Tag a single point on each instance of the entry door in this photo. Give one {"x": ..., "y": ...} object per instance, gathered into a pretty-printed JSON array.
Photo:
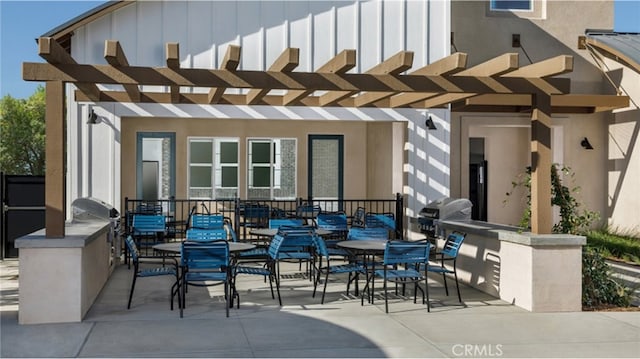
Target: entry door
[
  {"x": 155, "y": 165},
  {"x": 326, "y": 160}
]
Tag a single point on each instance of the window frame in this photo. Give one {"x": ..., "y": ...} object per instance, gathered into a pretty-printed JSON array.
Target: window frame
[
  {"x": 274, "y": 165},
  {"x": 215, "y": 165}
]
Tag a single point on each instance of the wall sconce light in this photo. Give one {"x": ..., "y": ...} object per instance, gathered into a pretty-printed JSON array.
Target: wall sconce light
[
  {"x": 585, "y": 144},
  {"x": 93, "y": 118},
  {"x": 429, "y": 123}
]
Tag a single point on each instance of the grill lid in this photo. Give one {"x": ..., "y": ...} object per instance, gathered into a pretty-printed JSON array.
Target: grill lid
[{"x": 91, "y": 209}]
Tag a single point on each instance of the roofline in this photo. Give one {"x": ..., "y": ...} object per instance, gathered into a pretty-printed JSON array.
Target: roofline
[
  {"x": 68, "y": 27},
  {"x": 610, "y": 51}
]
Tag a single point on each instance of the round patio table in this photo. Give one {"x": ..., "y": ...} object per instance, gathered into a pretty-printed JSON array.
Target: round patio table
[
  {"x": 176, "y": 247},
  {"x": 368, "y": 248},
  {"x": 270, "y": 232}
]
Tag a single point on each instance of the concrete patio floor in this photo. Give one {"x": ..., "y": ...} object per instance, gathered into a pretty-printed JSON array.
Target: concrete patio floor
[{"x": 482, "y": 327}]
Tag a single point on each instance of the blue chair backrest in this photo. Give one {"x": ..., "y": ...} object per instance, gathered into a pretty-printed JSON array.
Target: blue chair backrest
[
  {"x": 207, "y": 221},
  {"x": 294, "y": 239},
  {"x": 402, "y": 252},
  {"x": 332, "y": 221},
  {"x": 358, "y": 217},
  {"x": 356, "y": 233},
  {"x": 205, "y": 255},
  {"x": 206, "y": 235},
  {"x": 380, "y": 220},
  {"x": 132, "y": 248},
  {"x": 321, "y": 246},
  {"x": 230, "y": 232},
  {"x": 148, "y": 223},
  {"x": 149, "y": 208},
  {"x": 452, "y": 244},
  {"x": 275, "y": 223}
]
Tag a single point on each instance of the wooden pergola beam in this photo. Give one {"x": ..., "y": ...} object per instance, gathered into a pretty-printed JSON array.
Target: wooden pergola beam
[
  {"x": 116, "y": 57},
  {"x": 394, "y": 65},
  {"x": 286, "y": 62},
  {"x": 50, "y": 50},
  {"x": 445, "y": 66},
  {"x": 597, "y": 102},
  {"x": 550, "y": 67},
  {"x": 339, "y": 64},
  {"x": 230, "y": 62},
  {"x": 172, "y": 56}
]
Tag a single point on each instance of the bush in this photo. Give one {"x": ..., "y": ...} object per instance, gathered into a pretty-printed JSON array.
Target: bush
[{"x": 598, "y": 287}]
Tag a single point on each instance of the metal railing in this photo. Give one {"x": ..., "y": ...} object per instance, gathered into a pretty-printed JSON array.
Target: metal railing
[{"x": 179, "y": 211}]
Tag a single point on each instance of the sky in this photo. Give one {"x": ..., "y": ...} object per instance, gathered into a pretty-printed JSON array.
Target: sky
[{"x": 21, "y": 22}]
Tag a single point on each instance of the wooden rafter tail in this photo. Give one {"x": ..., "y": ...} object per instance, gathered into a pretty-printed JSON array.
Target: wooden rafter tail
[
  {"x": 230, "y": 62},
  {"x": 446, "y": 66},
  {"x": 115, "y": 56},
  {"x": 172, "y": 50},
  {"x": 368, "y": 98},
  {"x": 394, "y": 65},
  {"x": 50, "y": 50},
  {"x": 550, "y": 67},
  {"x": 339, "y": 64},
  {"x": 286, "y": 62}
]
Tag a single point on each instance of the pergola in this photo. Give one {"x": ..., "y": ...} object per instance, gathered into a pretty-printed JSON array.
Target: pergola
[{"x": 497, "y": 85}]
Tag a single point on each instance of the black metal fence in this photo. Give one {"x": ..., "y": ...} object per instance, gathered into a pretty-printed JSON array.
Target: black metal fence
[{"x": 179, "y": 211}]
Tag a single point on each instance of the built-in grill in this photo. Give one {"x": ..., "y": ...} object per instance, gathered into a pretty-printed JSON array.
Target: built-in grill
[
  {"x": 443, "y": 209},
  {"x": 89, "y": 209}
]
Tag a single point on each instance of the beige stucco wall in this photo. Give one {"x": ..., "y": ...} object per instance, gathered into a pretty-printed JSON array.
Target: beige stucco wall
[
  {"x": 623, "y": 140},
  {"x": 369, "y": 162},
  {"x": 554, "y": 32}
]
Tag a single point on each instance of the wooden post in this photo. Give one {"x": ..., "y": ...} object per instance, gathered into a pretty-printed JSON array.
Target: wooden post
[
  {"x": 541, "y": 215},
  {"x": 54, "y": 151}
]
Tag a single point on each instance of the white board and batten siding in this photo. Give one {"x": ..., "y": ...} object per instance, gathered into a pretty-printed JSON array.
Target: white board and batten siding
[{"x": 204, "y": 30}]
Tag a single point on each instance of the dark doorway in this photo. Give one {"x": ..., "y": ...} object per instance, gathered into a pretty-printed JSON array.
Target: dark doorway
[
  {"x": 23, "y": 209},
  {"x": 478, "y": 179}
]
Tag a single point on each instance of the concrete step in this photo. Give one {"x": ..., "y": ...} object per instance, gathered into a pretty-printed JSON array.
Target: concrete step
[{"x": 629, "y": 276}]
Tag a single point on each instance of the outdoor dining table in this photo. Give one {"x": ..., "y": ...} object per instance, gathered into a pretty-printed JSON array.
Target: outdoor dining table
[
  {"x": 176, "y": 247},
  {"x": 270, "y": 232},
  {"x": 369, "y": 248}
]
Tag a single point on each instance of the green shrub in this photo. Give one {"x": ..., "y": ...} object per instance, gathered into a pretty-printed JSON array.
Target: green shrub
[{"x": 598, "y": 287}]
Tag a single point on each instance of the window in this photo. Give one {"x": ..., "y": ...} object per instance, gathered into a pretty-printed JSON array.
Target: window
[
  {"x": 271, "y": 169},
  {"x": 508, "y": 5},
  {"x": 213, "y": 168}
]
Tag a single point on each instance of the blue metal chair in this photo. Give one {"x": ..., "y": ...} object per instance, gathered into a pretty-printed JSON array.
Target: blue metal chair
[
  {"x": 381, "y": 220},
  {"x": 356, "y": 233},
  {"x": 160, "y": 267},
  {"x": 148, "y": 229},
  {"x": 357, "y": 219},
  {"x": 322, "y": 252},
  {"x": 276, "y": 223},
  {"x": 254, "y": 216},
  {"x": 207, "y": 221},
  {"x": 337, "y": 224},
  {"x": 290, "y": 243},
  {"x": 449, "y": 252},
  {"x": 308, "y": 212},
  {"x": 206, "y": 235},
  {"x": 401, "y": 265},
  {"x": 205, "y": 264}
]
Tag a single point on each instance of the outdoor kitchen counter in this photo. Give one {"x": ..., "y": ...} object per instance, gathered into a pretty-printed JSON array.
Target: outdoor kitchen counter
[
  {"x": 60, "y": 278},
  {"x": 537, "y": 272}
]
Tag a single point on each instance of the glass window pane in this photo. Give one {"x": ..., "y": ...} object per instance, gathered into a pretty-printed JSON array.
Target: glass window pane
[
  {"x": 260, "y": 152},
  {"x": 511, "y": 5},
  {"x": 200, "y": 176},
  {"x": 228, "y": 152},
  {"x": 201, "y": 152},
  {"x": 261, "y": 177},
  {"x": 229, "y": 176}
]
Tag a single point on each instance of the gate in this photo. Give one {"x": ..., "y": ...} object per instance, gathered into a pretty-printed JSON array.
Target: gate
[{"x": 22, "y": 201}]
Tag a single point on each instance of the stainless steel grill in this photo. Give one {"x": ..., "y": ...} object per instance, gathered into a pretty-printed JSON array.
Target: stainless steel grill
[
  {"x": 443, "y": 209},
  {"x": 89, "y": 209}
]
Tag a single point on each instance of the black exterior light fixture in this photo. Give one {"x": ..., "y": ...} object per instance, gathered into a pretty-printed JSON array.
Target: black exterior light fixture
[
  {"x": 429, "y": 123},
  {"x": 93, "y": 118},
  {"x": 585, "y": 144}
]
